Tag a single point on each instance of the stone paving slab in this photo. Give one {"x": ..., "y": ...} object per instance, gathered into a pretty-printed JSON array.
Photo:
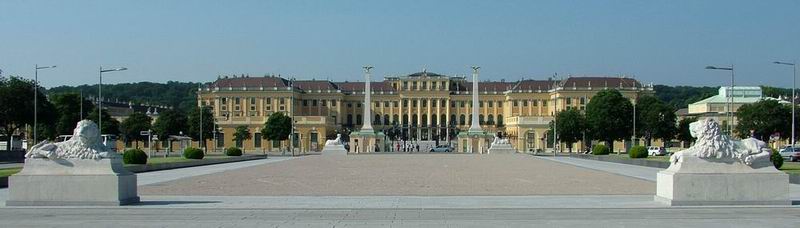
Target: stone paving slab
[{"x": 407, "y": 175}]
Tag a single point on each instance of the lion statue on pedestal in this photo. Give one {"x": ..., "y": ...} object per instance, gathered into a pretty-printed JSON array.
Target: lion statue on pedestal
[
  {"x": 334, "y": 142},
  {"x": 712, "y": 145},
  {"x": 85, "y": 143}
]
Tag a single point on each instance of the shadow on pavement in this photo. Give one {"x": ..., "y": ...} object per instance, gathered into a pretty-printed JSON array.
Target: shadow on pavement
[{"x": 171, "y": 202}]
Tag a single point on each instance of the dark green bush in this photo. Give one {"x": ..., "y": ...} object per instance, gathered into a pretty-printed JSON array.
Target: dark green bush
[
  {"x": 600, "y": 149},
  {"x": 233, "y": 151},
  {"x": 638, "y": 152},
  {"x": 134, "y": 156},
  {"x": 193, "y": 153},
  {"x": 776, "y": 159}
]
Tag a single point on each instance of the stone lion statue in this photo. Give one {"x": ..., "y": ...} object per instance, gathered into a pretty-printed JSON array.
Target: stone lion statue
[
  {"x": 712, "y": 145},
  {"x": 499, "y": 139},
  {"x": 334, "y": 142},
  {"x": 85, "y": 143}
]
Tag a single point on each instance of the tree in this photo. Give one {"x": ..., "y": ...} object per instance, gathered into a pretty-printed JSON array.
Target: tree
[
  {"x": 571, "y": 126},
  {"x": 16, "y": 106},
  {"x": 240, "y": 134},
  {"x": 110, "y": 125},
  {"x": 132, "y": 127},
  {"x": 683, "y": 133},
  {"x": 654, "y": 119},
  {"x": 68, "y": 107},
  {"x": 170, "y": 122},
  {"x": 208, "y": 124},
  {"x": 278, "y": 127},
  {"x": 609, "y": 117},
  {"x": 764, "y": 118}
]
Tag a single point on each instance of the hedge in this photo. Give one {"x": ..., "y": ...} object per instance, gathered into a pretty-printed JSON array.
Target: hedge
[
  {"x": 638, "y": 152},
  {"x": 776, "y": 159},
  {"x": 233, "y": 151},
  {"x": 134, "y": 156},
  {"x": 600, "y": 149},
  {"x": 193, "y": 153}
]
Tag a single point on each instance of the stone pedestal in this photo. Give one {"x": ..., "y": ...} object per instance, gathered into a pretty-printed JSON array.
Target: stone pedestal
[
  {"x": 501, "y": 149},
  {"x": 72, "y": 182},
  {"x": 366, "y": 142},
  {"x": 476, "y": 142},
  {"x": 337, "y": 150},
  {"x": 697, "y": 182}
]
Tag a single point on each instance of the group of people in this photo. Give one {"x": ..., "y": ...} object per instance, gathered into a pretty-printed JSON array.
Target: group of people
[{"x": 406, "y": 147}]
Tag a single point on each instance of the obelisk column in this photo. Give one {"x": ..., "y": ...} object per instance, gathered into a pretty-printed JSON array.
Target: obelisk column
[
  {"x": 475, "y": 125},
  {"x": 367, "y": 126}
]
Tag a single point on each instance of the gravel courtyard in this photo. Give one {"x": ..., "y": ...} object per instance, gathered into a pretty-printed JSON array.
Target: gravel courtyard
[{"x": 406, "y": 175}]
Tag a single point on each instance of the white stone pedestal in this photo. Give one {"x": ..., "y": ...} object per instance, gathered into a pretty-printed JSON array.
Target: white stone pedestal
[
  {"x": 501, "y": 149},
  {"x": 72, "y": 182},
  {"x": 336, "y": 150},
  {"x": 697, "y": 182}
]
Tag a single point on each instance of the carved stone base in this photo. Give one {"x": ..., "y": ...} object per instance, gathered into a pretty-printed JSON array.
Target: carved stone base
[
  {"x": 502, "y": 149},
  {"x": 696, "y": 182},
  {"x": 337, "y": 150},
  {"x": 68, "y": 182}
]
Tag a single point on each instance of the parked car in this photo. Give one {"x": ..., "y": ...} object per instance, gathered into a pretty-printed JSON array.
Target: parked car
[
  {"x": 790, "y": 153},
  {"x": 656, "y": 151},
  {"x": 441, "y": 148}
]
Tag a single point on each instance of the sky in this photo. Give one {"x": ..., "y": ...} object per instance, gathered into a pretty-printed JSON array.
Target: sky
[{"x": 660, "y": 42}]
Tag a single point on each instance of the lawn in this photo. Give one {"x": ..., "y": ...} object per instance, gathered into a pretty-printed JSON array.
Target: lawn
[
  {"x": 9, "y": 171},
  {"x": 791, "y": 167}
]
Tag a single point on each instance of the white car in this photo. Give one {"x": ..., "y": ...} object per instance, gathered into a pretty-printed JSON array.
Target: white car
[
  {"x": 656, "y": 151},
  {"x": 790, "y": 154}
]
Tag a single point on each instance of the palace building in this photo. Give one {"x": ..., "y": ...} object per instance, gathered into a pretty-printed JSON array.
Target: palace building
[{"x": 422, "y": 107}]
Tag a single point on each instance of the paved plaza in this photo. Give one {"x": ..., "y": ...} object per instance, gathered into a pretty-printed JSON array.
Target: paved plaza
[
  {"x": 609, "y": 195},
  {"x": 407, "y": 175}
]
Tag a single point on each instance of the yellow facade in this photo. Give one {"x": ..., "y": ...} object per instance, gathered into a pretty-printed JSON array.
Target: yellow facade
[{"x": 421, "y": 107}]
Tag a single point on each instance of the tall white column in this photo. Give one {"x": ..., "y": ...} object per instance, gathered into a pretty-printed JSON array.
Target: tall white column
[
  {"x": 367, "y": 126},
  {"x": 475, "y": 125}
]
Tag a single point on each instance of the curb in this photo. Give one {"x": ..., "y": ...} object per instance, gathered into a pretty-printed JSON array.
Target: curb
[{"x": 793, "y": 178}]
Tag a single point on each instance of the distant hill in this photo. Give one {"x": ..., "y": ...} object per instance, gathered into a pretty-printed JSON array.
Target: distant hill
[{"x": 181, "y": 95}]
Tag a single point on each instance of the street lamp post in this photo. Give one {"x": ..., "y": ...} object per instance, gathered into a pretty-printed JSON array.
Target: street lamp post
[
  {"x": 794, "y": 96},
  {"x": 730, "y": 96},
  {"x": 36, "y": 99},
  {"x": 100, "y": 97}
]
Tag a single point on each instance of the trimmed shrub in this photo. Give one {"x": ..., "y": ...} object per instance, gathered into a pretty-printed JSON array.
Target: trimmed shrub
[
  {"x": 233, "y": 151},
  {"x": 638, "y": 152},
  {"x": 600, "y": 149},
  {"x": 134, "y": 156},
  {"x": 193, "y": 153},
  {"x": 776, "y": 159}
]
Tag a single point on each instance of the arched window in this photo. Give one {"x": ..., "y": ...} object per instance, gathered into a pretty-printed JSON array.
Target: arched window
[
  {"x": 480, "y": 119},
  {"x": 349, "y": 119},
  {"x": 434, "y": 122},
  {"x": 414, "y": 120},
  {"x": 359, "y": 120},
  {"x": 386, "y": 120},
  {"x": 490, "y": 119},
  {"x": 405, "y": 119},
  {"x": 462, "y": 120},
  {"x": 500, "y": 120},
  {"x": 377, "y": 120},
  {"x": 424, "y": 120},
  {"x": 443, "y": 119},
  {"x": 396, "y": 119},
  {"x": 453, "y": 119}
]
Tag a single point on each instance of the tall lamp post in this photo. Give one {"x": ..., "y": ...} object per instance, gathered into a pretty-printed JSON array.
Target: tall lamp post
[
  {"x": 36, "y": 99},
  {"x": 100, "y": 97},
  {"x": 730, "y": 96},
  {"x": 794, "y": 96}
]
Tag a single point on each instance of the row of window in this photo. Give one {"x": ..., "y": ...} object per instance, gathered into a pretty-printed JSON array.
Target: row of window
[
  {"x": 422, "y": 85},
  {"x": 462, "y": 120}
]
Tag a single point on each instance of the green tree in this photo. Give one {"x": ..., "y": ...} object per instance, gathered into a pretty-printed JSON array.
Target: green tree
[
  {"x": 571, "y": 126},
  {"x": 764, "y": 118},
  {"x": 16, "y": 106},
  {"x": 278, "y": 127},
  {"x": 240, "y": 134},
  {"x": 655, "y": 119},
  {"x": 609, "y": 117},
  {"x": 110, "y": 125},
  {"x": 683, "y": 133},
  {"x": 208, "y": 124},
  {"x": 170, "y": 122},
  {"x": 68, "y": 107},
  {"x": 132, "y": 127}
]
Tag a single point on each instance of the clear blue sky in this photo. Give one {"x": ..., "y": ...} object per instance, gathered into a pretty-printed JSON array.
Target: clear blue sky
[{"x": 664, "y": 42}]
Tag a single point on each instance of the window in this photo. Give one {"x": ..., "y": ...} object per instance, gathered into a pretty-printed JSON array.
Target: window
[
  {"x": 583, "y": 100},
  {"x": 252, "y": 101},
  {"x": 461, "y": 104},
  {"x": 314, "y": 103},
  {"x": 444, "y": 85},
  {"x": 433, "y": 85},
  {"x": 452, "y": 119},
  {"x": 433, "y": 103},
  {"x": 424, "y": 120},
  {"x": 491, "y": 104},
  {"x": 386, "y": 104},
  {"x": 395, "y": 103},
  {"x": 359, "y": 120},
  {"x": 405, "y": 103},
  {"x": 395, "y": 119},
  {"x": 535, "y": 103},
  {"x": 544, "y": 103},
  {"x": 349, "y": 119},
  {"x": 324, "y": 103},
  {"x": 386, "y": 119},
  {"x": 237, "y": 101},
  {"x": 452, "y": 104},
  {"x": 269, "y": 100},
  {"x": 257, "y": 140},
  {"x": 568, "y": 100},
  {"x": 414, "y": 103},
  {"x": 480, "y": 104},
  {"x": 462, "y": 120},
  {"x": 333, "y": 103},
  {"x": 349, "y": 104},
  {"x": 424, "y": 103},
  {"x": 377, "y": 120},
  {"x": 377, "y": 104},
  {"x": 500, "y": 104},
  {"x": 283, "y": 100},
  {"x": 480, "y": 119},
  {"x": 500, "y": 120},
  {"x": 490, "y": 119},
  {"x": 424, "y": 85},
  {"x": 525, "y": 103},
  {"x": 358, "y": 105},
  {"x": 405, "y": 85},
  {"x": 516, "y": 103},
  {"x": 414, "y": 85}
]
